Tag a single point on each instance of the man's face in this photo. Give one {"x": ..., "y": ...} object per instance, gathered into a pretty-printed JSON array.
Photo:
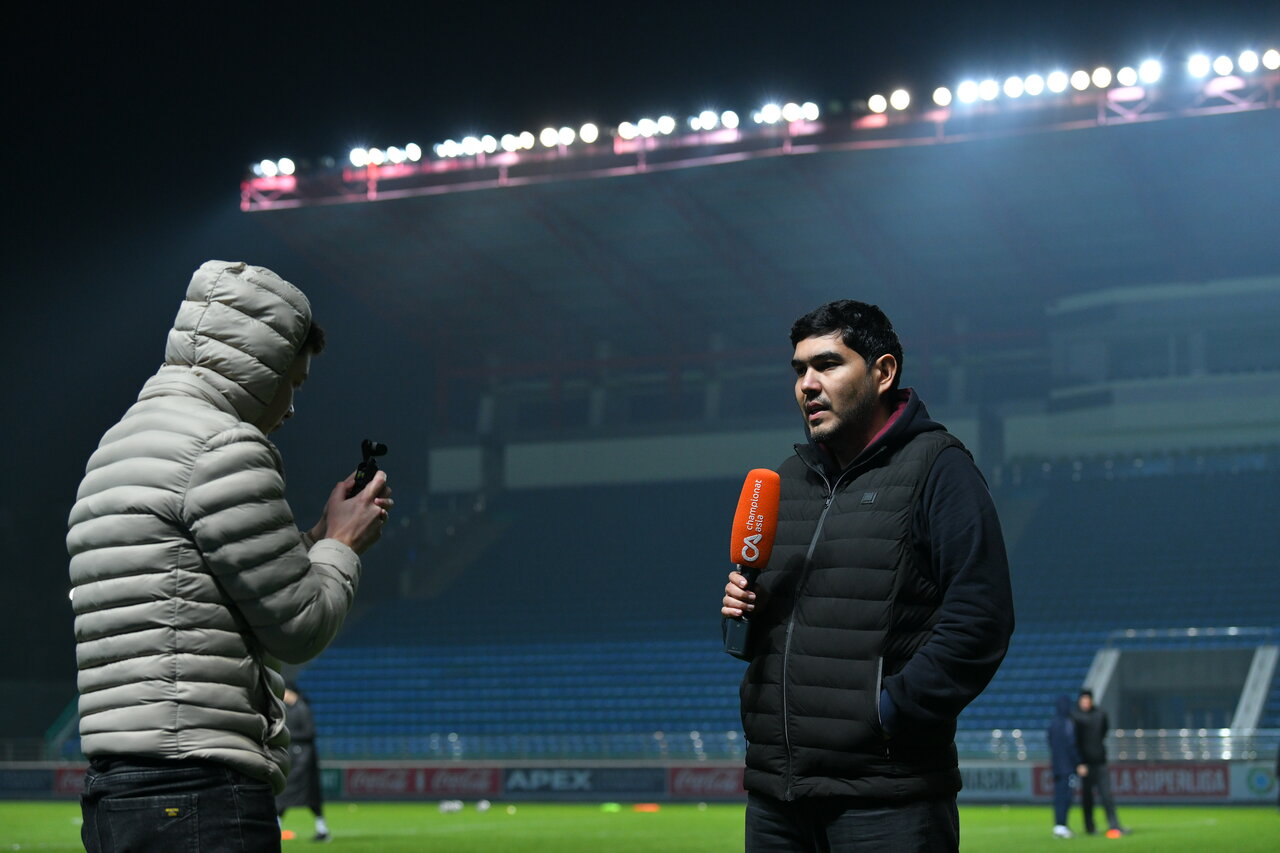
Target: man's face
[
  {"x": 280, "y": 409},
  {"x": 836, "y": 392},
  {"x": 1086, "y": 703}
]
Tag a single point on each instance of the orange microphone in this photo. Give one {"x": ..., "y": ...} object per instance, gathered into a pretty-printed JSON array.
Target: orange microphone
[{"x": 751, "y": 543}]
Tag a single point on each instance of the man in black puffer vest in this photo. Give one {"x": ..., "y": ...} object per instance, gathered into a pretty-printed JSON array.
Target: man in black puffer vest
[{"x": 885, "y": 608}]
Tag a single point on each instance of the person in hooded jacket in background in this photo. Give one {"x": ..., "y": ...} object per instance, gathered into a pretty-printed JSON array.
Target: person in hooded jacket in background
[
  {"x": 1067, "y": 764},
  {"x": 191, "y": 582},
  {"x": 303, "y": 787}
]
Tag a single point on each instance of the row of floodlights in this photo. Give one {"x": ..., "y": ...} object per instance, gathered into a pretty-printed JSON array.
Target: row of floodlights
[{"x": 1147, "y": 73}]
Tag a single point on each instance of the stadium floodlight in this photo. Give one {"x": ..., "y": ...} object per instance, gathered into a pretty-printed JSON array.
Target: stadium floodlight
[
  {"x": 413, "y": 151},
  {"x": 809, "y": 111},
  {"x": 256, "y": 168},
  {"x": 1014, "y": 87},
  {"x": 1248, "y": 62},
  {"x": 942, "y": 96},
  {"x": 589, "y": 133},
  {"x": 527, "y": 140},
  {"x": 877, "y": 103},
  {"x": 791, "y": 112},
  {"x": 900, "y": 99},
  {"x": 509, "y": 142},
  {"x": 628, "y": 131},
  {"x": 1127, "y": 76},
  {"x": 1149, "y": 71},
  {"x": 1080, "y": 80},
  {"x": 377, "y": 156},
  {"x": 1271, "y": 59},
  {"x": 358, "y": 157},
  {"x": 395, "y": 155},
  {"x": 1198, "y": 65},
  {"x": 471, "y": 146},
  {"x": 707, "y": 120},
  {"x": 566, "y": 136},
  {"x": 967, "y": 92},
  {"x": 488, "y": 144},
  {"x": 287, "y": 166},
  {"x": 988, "y": 89},
  {"x": 1033, "y": 85},
  {"x": 647, "y": 127},
  {"x": 1222, "y": 66},
  {"x": 695, "y": 122},
  {"x": 549, "y": 137},
  {"x": 729, "y": 119},
  {"x": 770, "y": 113},
  {"x": 1101, "y": 77},
  {"x": 666, "y": 125},
  {"x": 268, "y": 168},
  {"x": 1057, "y": 82}
]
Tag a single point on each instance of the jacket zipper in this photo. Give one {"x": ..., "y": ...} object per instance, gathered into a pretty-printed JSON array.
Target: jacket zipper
[{"x": 828, "y": 500}]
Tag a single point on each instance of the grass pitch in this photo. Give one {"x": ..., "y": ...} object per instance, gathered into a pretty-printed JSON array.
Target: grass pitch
[{"x": 544, "y": 828}]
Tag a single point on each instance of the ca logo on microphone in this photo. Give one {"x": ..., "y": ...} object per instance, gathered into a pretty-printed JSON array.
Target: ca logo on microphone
[{"x": 750, "y": 553}]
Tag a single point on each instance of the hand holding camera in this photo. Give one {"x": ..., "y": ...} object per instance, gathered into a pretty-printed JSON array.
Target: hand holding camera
[{"x": 359, "y": 505}]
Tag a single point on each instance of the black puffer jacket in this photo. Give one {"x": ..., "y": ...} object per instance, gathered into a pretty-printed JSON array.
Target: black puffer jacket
[{"x": 887, "y": 576}]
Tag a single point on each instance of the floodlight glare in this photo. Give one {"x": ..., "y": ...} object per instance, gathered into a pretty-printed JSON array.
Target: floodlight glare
[
  {"x": 256, "y": 168},
  {"x": 358, "y": 157},
  {"x": 666, "y": 125},
  {"x": 729, "y": 119},
  {"x": 1127, "y": 76},
  {"x": 1057, "y": 82},
  {"x": 566, "y": 136},
  {"x": 988, "y": 89},
  {"x": 395, "y": 155},
  {"x": 791, "y": 112},
  {"x": 1198, "y": 65},
  {"x": 942, "y": 96},
  {"x": 877, "y": 103},
  {"x": 1101, "y": 77},
  {"x": 1248, "y": 62},
  {"x": 1013, "y": 87},
  {"x": 549, "y": 137},
  {"x": 527, "y": 140},
  {"x": 1080, "y": 80},
  {"x": 509, "y": 142},
  {"x": 413, "y": 151},
  {"x": 647, "y": 127},
  {"x": 1149, "y": 72},
  {"x": 589, "y": 133},
  {"x": 809, "y": 111},
  {"x": 377, "y": 156},
  {"x": 1033, "y": 85},
  {"x": 770, "y": 113},
  {"x": 695, "y": 123},
  {"x": 488, "y": 144},
  {"x": 967, "y": 92},
  {"x": 471, "y": 146},
  {"x": 1271, "y": 59},
  {"x": 707, "y": 119},
  {"x": 287, "y": 166},
  {"x": 1222, "y": 66},
  {"x": 900, "y": 99},
  {"x": 268, "y": 168}
]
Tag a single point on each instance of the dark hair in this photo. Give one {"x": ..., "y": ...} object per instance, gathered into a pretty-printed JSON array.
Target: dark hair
[
  {"x": 314, "y": 342},
  {"x": 1087, "y": 692},
  {"x": 864, "y": 329}
]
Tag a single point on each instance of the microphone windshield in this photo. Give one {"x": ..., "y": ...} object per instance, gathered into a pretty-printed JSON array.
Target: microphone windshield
[{"x": 756, "y": 521}]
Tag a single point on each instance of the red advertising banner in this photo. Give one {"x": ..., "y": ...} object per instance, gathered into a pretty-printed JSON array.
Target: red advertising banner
[
  {"x": 1156, "y": 781},
  {"x": 705, "y": 783},
  {"x": 424, "y": 782},
  {"x": 68, "y": 781}
]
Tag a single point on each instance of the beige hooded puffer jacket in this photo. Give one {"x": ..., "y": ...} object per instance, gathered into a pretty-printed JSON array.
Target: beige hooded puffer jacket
[{"x": 189, "y": 575}]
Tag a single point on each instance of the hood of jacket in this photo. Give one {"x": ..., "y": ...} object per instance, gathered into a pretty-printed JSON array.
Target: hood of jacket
[
  {"x": 237, "y": 332},
  {"x": 1065, "y": 707}
]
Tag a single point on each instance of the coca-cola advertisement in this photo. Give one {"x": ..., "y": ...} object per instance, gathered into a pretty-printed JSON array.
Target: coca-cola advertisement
[
  {"x": 68, "y": 781},
  {"x": 386, "y": 783},
  {"x": 705, "y": 783}
]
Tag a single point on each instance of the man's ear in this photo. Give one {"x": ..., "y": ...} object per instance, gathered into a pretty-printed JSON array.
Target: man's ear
[{"x": 884, "y": 372}]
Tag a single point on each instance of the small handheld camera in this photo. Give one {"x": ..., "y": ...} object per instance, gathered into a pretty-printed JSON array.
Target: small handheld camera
[{"x": 367, "y": 468}]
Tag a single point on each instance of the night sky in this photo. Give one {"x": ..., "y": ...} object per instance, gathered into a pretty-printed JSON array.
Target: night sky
[{"x": 128, "y": 133}]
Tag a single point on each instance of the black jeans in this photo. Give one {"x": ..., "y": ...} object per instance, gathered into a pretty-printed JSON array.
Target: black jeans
[
  {"x": 846, "y": 825},
  {"x": 176, "y": 807},
  {"x": 1098, "y": 780}
]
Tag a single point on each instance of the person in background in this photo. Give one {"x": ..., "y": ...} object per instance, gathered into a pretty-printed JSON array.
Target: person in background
[
  {"x": 1067, "y": 764},
  {"x": 1091, "y": 732},
  {"x": 303, "y": 787}
]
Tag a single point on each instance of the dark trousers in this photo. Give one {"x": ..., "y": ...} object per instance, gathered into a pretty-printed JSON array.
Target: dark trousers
[
  {"x": 1062, "y": 791},
  {"x": 846, "y": 825},
  {"x": 1098, "y": 780},
  {"x": 176, "y": 807}
]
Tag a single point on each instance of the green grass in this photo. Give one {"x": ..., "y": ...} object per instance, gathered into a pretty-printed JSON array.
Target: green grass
[{"x": 400, "y": 828}]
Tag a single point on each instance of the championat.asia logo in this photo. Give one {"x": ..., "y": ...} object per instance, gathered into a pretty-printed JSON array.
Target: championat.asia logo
[{"x": 755, "y": 521}]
